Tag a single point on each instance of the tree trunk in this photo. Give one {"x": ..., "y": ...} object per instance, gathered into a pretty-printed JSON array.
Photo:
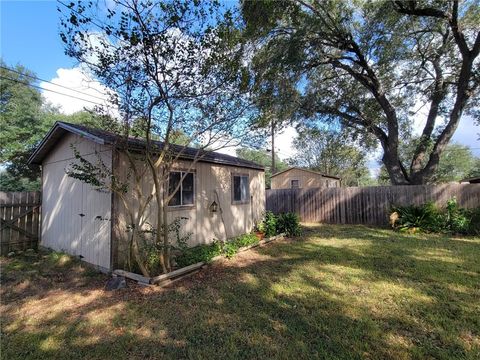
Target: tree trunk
[
  {"x": 166, "y": 242},
  {"x": 394, "y": 169},
  {"x": 136, "y": 252}
]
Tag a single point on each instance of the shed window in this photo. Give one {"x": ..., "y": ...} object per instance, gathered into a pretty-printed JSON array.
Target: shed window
[
  {"x": 294, "y": 184},
  {"x": 185, "y": 193},
  {"x": 240, "y": 191}
]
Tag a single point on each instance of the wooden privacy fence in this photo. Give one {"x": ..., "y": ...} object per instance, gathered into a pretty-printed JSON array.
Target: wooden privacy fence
[
  {"x": 365, "y": 205},
  {"x": 19, "y": 220}
]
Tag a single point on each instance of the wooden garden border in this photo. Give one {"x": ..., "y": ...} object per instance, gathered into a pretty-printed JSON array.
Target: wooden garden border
[{"x": 166, "y": 279}]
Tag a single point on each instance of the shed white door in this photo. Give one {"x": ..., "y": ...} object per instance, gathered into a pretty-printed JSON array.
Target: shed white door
[{"x": 75, "y": 217}]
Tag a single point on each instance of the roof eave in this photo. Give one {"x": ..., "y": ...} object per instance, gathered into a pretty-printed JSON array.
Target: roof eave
[
  {"x": 37, "y": 156},
  {"x": 33, "y": 159}
]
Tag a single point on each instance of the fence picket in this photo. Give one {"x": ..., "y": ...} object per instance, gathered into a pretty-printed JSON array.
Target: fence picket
[
  {"x": 20, "y": 219},
  {"x": 365, "y": 205}
]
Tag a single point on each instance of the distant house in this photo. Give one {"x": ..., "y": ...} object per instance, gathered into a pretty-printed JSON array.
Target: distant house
[
  {"x": 297, "y": 178},
  {"x": 92, "y": 224}
]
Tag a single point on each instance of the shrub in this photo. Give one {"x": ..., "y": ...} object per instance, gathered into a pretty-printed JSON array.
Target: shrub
[
  {"x": 474, "y": 227},
  {"x": 288, "y": 223},
  {"x": 246, "y": 240},
  {"x": 270, "y": 224},
  {"x": 199, "y": 253},
  {"x": 230, "y": 248},
  {"x": 428, "y": 218},
  {"x": 206, "y": 253},
  {"x": 413, "y": 218},
  {"x": 457, "y": 219}
]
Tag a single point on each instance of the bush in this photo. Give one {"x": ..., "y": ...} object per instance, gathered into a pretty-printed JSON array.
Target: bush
[
  {"x": 198, "y": 253},
  {"x": 270, "y": 224},
  {"x": 428, "y": 218},
  {"x": 206, "y": 253},
  {"x": 288, "y": 223},
  {"x": 474, "y": 227},
  {"x": 413, "y": 218},
  {"x": 230, "y": 248},
  {"x": 457, "y": 219},
  {"x": 246, "y": 240}
]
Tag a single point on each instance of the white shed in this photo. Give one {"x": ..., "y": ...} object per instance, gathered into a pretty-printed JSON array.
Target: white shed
[{"x": 85, "y": 222}]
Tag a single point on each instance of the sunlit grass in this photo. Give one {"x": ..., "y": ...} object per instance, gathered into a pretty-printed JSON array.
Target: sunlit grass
[{"x": 336, "y": 292}]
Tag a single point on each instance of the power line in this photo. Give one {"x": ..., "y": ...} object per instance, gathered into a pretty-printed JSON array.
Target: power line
[
  {"x": 56, "y": 92},
  {"x": 90, "y": 20},
  {"x": 40, "y": 79}
]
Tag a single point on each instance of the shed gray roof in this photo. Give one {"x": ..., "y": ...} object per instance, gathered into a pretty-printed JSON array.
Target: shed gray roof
[{"x": 107, "y": 138}]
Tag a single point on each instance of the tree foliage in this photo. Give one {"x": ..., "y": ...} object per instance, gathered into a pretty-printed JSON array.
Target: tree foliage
[
  {"x": 475, "y": 170},
  {"x": 25, "y": 119},
  {"x": 263, "y": 158},
  {"x": 370, "y": 66},
  {"x": 22, "y": 121},
  {"x": 456, "y": 163},
  {"x": 173, "y": 77},
  {"x": 328, "y": 152}
]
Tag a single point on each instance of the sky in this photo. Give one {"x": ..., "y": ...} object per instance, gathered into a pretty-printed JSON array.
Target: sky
[{"x": 29, "y": 36}]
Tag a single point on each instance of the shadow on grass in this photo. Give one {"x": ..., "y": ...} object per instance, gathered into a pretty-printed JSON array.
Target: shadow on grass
[{"x": 339, "y": 292}]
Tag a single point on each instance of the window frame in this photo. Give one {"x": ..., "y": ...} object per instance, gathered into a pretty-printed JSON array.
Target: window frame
[
  {"x": 181, "y": 205},
  {"x": 240, "y": 202},
  {"x": 291, "y": 184}
]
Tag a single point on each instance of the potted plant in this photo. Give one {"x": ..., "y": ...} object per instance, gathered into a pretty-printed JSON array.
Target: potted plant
[{"x": 259, "y": 230}]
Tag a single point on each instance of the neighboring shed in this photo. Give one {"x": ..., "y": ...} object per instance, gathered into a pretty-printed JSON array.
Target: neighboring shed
[
  {"x": 296, "y": 178},
  {"x": 91, "y": 224}
]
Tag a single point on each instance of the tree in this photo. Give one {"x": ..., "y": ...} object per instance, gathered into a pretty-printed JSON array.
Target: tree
[
  {"x": 457, "y": 163},
  {"x": 9, "y": 182},
  {"x": 22, "y": 124},
  {"x": 371, "y": 65},
  {"x": 263, "y": 158},
  {"x": 171, "y": 72},
  {"x": 475, "y": 170},
  {"x": 26, "y": 119},
  {"x": 328, "y": 152}
]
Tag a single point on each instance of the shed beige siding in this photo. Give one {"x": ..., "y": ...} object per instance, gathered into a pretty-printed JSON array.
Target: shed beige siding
[
  {"x": 212, "y": 183},
  {"x": 306, "y": 179},
  {"x": 64, "y": 199}
]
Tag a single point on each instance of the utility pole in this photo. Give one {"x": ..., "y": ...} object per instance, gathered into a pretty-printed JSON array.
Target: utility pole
[{"x": 273, "y": 146}]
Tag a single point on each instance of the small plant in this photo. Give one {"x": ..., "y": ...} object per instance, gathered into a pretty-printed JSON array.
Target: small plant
[
  {"x": 152, "y": 250},
  {"x": 206, "y": 253},
  {"x": 230, "y": 248},
  {"x": 270, "y": 224},
  {"x": 288, "y": 223},
  {"x": 199, "y": 253},
  {"x": 259, "y": 230},
  {"x": 246, "y": 240}
]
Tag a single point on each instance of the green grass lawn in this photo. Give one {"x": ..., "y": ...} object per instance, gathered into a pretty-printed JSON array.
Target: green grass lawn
[{"x": 341, "y": 292}]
